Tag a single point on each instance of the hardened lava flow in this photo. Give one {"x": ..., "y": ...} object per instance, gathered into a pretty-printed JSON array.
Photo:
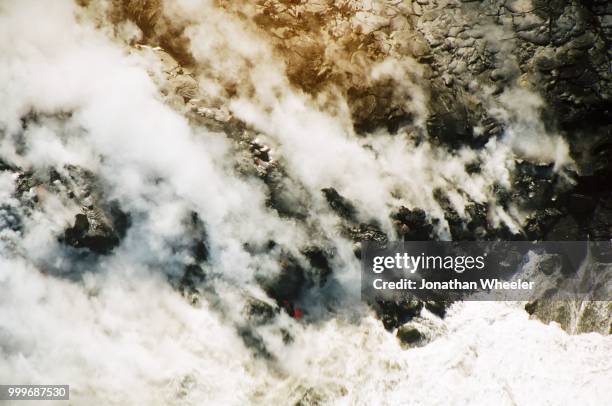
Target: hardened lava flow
[{"x": 185, "y": 187}]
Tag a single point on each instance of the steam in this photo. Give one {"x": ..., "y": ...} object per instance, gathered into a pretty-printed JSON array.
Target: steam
[{"x": 102, "y": 104}]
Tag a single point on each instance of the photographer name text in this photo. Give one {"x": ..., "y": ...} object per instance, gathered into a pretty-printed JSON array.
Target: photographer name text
[{"x": 453, "y": 284}]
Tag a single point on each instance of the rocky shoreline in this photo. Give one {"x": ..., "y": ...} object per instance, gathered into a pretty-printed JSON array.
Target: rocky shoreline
[{"x": 465, "y": 74}]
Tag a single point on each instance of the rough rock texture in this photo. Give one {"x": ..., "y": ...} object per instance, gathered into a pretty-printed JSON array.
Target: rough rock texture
[
  {"x": 465, "y": 56},
  {"x": 101, "y": 223},
  {"x": 409, "y": 335},
  {"x": 574, "y": 316},
  {"x": 558, "y": 48}
]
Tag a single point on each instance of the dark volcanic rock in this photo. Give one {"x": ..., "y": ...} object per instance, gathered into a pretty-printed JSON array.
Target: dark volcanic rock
[
  {"x": 193, "y": 275},
  {"x": 259, "y": 312},
  {"x": 289, "y": 283},
  {"x": 254, "y": 341},
  {"x": 319, "y": 261},
  {"x": 97, "y": 230},
  {"x": 365, "y": 232},
  {"x": 600, "y": 223},
  {"x": 437, "y": 307},
  {"x": 581, "y": 205},
  {"x": 339, "y": 204},
  {"x": 396, "y": 313},
  {"x": 196, "y": 231},
  {"x": 535, "y": 185},
  {"x": 473, "y": 226},
  {"x": 100, "y": 225},
  {"x": 471, "y": 53},
  {"x": 574, "y": 316},
  {"x": 412, "y": 225},
  {"x": 92, "y": 231},
  {"x": 541, "y": 222},
  {"x": 409, "y": 335}
]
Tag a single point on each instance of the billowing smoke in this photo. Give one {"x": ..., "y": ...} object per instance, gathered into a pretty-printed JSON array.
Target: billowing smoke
[{"x": 191, "y": 121}]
